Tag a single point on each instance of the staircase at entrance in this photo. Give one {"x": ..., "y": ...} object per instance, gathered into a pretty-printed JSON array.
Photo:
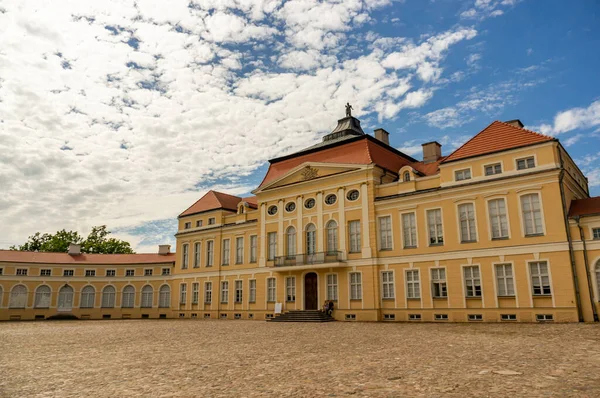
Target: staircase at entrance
[{"x": 303, "y": 316}]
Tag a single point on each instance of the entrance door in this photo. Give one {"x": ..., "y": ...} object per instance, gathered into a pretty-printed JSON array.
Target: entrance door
[{"x": 310, "y": 292}]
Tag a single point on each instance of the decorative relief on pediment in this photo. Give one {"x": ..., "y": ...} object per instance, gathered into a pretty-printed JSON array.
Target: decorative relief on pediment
[{"x": 308, "y": 173}]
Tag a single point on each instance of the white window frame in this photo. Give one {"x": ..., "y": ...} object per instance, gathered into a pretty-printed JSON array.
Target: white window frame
[
  {"x": 43, "y": 272},
  {"x": 146, "y": 296},
  {"x": 412, "y": 284},
  {"x": 355, "y": 285},
  {"x": 472, "y": 278},
  {"x": 208, "y": 292},
  {"x": 385, "y": 281},
  {"x": 182, "y": 293},
  {"x": 271, "y": 289},
  {"x": 224, "y": 292},
  {"x": 540, "y": 278},
  {"x": 466, "y": 169},
  {"x": 458, "y": 219},
  {"x": 165, "y": 271},
  {"x": 42, "y": 299},
  {"x": 441, "y": 282},
  {"x": 195, "y": 292},
  {"x": 493, "y": 165},
  {"x": 185, "y": 253},
  {"x": 22, "y": 300},
  {"x": 595, "y": 233},
  {"x": 331, "y": 290},
  {"x": 239, "y": 250},
  {"x": 109, "y": 299},
  {"x": 197, "y": 254},
  {"x": 290, "y": 289},
  {"x": 238, "y": 285},
  {"x": 84, "y": 297},
  {"x": 68, "y": 272},
  {"x": 354, "y": 241},
  {"x": 225, "y": 251},
  {"x": 111, "y": 271},
  {"x": 148, "y": 271},
  {"x": 290, "y": 242},
  {"x": 441, "y": 227},
  {"x": 252, "y": 290},
  {"x": 408, "y": 243},
  {"x": 130, "y": 270},
  {"x": 386, "y": 237},
  {"x": 490, "y": 222},
  {"x": 535, "y": 163},
  {"x": 89, "y": 273},
  {"x": 164, "y": 296},
  {"x": 522, "y": 214},
  {"x": 332, "y": 237},
  {"x": 253, "y": 248},
  {"x": 210, "y": 253},
  {"x": 502, "y": 280},
  {"x": 127, "y": 297},
  {"x": 271, "y": 246}
]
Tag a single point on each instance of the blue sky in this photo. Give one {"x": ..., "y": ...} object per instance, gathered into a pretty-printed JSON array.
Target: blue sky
[{"x": 124, "y": 113}]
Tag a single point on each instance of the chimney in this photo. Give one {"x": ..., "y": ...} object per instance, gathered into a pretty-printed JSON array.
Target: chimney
[
  {"x": 432, "y": 151},
  {"x": 74, "y": 249},
  {"x": 516, "y": 123},
  {"x": 382, "y": 136},
  {"x": 164, "y": 249}
]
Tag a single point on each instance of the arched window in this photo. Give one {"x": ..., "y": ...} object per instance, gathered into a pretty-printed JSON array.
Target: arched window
[
  {"x": 88, "y": 297},
  {"x": 311, "y": 239},
  {"x": 18, "y": 297},
  {"x": 147, "y": 293},
  {"x": 290, "y": 246},
  {"x": 108, "y": 297},
  {"x": 42, "y": 297},
  {"x": 128, "y": 298},
  {"x": 164, "y": 296},
  {"x": 406, "y": 176},
  {"x": 332, "y": 237},
  {"x": 65, "y": 298}
]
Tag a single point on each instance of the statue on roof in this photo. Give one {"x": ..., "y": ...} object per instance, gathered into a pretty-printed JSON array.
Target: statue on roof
[{"x": 348, "y": 109}]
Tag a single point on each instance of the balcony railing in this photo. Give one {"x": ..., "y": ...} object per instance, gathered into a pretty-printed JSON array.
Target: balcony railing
[{"x": 308, "y": 259}]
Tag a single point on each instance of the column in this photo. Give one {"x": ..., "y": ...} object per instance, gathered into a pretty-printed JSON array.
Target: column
[
  {"x": 366, "y": 244},
  {"x": 299, "y": 226},
  {"x": 320, "y": 222},
  {"x": 280, "y": 231},
  {"x": 342, "y": 221},
  {"x": 263, "y": 235}
]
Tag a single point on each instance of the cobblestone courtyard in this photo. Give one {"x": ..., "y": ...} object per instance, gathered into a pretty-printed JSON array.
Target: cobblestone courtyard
[{"x": 246, "y": 358}]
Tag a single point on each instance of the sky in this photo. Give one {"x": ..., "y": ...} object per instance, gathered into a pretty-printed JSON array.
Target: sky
[{"x": 124, "y": 113}]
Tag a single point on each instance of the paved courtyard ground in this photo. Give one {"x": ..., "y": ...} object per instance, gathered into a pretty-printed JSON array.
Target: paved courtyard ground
[{"x": 197, "y": 358}]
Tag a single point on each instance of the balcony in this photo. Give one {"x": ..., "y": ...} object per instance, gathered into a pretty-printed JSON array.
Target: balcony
[{"x": 304, "y": 261}]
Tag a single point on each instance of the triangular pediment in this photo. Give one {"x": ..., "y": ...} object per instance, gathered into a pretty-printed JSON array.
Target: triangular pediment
[{"x": 311, "y": 171}]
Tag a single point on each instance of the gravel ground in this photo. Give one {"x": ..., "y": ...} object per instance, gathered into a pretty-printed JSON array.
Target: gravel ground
[{"x": 197, "y": 358}]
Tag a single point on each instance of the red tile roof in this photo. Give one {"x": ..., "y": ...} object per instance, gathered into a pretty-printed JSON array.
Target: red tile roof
[
  {"x": 13, "y": 256},
  {"x": 585, "y": 207},
  {"x": 362, "y": 151},
  {"x": 496, "y": 137},
  {"x": 428, "y": 169},
  {"x": 213, "y": 200}
]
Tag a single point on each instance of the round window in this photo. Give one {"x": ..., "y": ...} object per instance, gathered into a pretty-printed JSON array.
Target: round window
[
  {"x": 272, "y": 210},
  {"x": 352, "y": 195},
  {"x": 330, "y": 199},
  {"x": 310, "y": 203},
  {"x": 290, "y": 207}
]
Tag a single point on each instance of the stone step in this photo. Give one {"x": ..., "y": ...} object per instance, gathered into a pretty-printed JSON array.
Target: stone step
[{"x": 302, "y": 316}]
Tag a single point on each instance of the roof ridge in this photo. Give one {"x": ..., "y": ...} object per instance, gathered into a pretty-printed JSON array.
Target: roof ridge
[
  {"x": 470, "y": 139},
  {"x": 524, "y": 129}
]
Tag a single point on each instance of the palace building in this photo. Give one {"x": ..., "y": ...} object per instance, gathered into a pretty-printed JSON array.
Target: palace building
[{"x": 502, "y": 229}]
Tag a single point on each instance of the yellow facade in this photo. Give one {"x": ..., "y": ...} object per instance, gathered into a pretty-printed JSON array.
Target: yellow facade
[{"x": 426, "y": 248}]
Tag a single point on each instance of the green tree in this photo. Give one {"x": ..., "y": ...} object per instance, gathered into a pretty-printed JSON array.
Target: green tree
[{"x": 96, "y": 242}]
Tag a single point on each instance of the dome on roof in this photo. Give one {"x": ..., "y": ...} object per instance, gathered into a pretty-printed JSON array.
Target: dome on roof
[{"x": 346, "y": 126}]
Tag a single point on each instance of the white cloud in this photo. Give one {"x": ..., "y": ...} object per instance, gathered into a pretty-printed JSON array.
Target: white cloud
[
  {"x": 573, "y": 119},
  {"x": 483, "y": 9}
]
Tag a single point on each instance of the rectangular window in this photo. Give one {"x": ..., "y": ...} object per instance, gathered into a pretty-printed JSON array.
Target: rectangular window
[
  {"x": 271, "y": 289},
  {"x": 185, "y": 256},
  {"x": 441, "y": 317},
  {"x": 332, "y": 287},
  {"x": 68, "y": 272},
  {"x": 224, "y": 292},
  {"x": 130, "y": 272},
  {"x": 387, "y": 285},
  {"x": 492, "y": 169},
  {"x": 1, "y": 271},
  {"x": 434, "y": 226},
  {"x": 207, "y": 292},
  {"x": 414, "y": 317},
  {"x": 505, "y": 280},
  {"x": 389, "y": 317},
  {"x": 148, "y": 272},
  {"x": 355, "y": 286},
  {"x": 475, "y": 317},
  {"x": 252, "y": 291},
  {"x": 225, "y": 259},
  {"x": 526, "y": 163},
  {"x": 596, "y": 233},
  {"x": 290, "y": 288},
  {"x": 90, "y": 272},
  {"x": 166, "y": 271},
  {"x": 253, "y": 248},
  {"x": 385, "y": 232},
  {"x": 272, "y": 237},
  {"x": 544, "y": 317},
  {"x": 508, "y": 317},
  {"x": 354, "y": 230},
  {"x": 210, "y": 248},
  {"x": 413, "y": 290},
  {"x": 239, "y": 291},
  {"x": 540, "y": 278},
  {"x": 183, "y": 293},
  {"x": 498, "y": 219},
  {"x": 211, "y": 221},
  {"x": 468, "y": 231},
  {"x": 532, "y": 214},
  {"x": 472, "y": 281},
  {"x": 45, "y": 272},
  {"x": 438, "y": 282},
  {"x": 188, "y": 225},
  {"x": 197, "y": 251},
  {"x": 409, "y": 230},
  {"x": 195, "y": 292},
  {"x": 198, "y": 223},
  {"x": 111, "y": 272},
  {"x": 460, "y": 175},
  {"x": 22, "y": 271},
  {"x": 239, "y": 250}
]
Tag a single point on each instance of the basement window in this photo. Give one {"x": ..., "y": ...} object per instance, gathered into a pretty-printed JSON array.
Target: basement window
[
  {"x": 475, "y": 317},
  {"x": 441, "y": 317},
  {"x": 414, "y": 317},
  {"x": 182, "y": 315},
  {"x": 194, "y": 315},
  {"x": 206, "y": 316},
  {"x": 223, "y": 316},
  {"x": 508, "y": 317},
  {"x": 544, "y": 317},
  {"x": 237, "y": 316},
  {"x": 389, "y": 317},
  {"x": 250, "y": 316},
  {"x": 350, "y": 317},
  {"x": 269, "y": 316}
]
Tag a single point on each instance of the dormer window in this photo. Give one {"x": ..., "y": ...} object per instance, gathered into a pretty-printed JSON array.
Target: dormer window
[
  {"x": 406, "y": 176},
  {"x": 460, "y": 175}
]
